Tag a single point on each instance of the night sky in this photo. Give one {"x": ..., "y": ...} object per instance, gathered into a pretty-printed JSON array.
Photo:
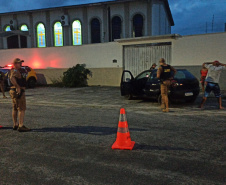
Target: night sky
[{"x": 190, "y": 16}]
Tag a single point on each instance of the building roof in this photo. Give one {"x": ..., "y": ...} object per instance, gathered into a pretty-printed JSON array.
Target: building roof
[{"x": 93, "y": 3}]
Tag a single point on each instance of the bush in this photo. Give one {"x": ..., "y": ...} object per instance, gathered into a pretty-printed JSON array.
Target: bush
[{"x": 76, "y": 76}]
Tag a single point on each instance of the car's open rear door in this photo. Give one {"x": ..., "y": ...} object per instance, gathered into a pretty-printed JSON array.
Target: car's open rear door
[{"x": 126, "y": 83}]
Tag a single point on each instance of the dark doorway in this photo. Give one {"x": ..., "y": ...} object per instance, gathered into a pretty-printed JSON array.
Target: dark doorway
[
  {"x": 116, "y": 28},
  {"x": 13, "y": 42},
  {"x": 95, "y": 31},
  {"x": 23, "y": 41},
  {"x": 138, "y": 24}
]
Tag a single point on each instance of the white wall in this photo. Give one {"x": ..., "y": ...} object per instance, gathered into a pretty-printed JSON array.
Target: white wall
[
  {"x": 197, "y": 49},
  {"x": 94, "y": 56}
]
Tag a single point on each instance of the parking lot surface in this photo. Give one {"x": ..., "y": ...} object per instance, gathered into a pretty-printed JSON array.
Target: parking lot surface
[{"x": 73, "y": 130}]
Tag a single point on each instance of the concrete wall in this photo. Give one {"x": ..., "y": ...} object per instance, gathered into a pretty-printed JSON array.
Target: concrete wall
[
  {"x": 94, "y": 56},
  {"x": 53, "y": 61},
  {"x": 100, "y": 76},
  {"x": 196, "y": 49}
]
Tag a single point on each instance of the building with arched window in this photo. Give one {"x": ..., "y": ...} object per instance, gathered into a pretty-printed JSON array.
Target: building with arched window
[
  {"x": 77, "y": 32},
  {"x": 41, "y": 35},
  {"x": 95, "y": 31},
  {"x": 24, "y": 27},
  {"x": 116, "y": 28},
  {"x": 138, "y": 25},
  {"x": 91, "y": 23},
  {"x": 58, "y": 34}
]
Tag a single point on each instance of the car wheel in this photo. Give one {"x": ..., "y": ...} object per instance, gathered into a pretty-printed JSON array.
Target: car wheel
[
  {"x": 31, "y": 83},
  {"x": 129, "y": 96}
]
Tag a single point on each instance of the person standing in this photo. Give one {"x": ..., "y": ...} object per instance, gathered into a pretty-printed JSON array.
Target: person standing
[
  {"x": 203, "y": 72},
  {"x": 2, "y": 85},
  {"x": 165, "y": 73},
  {"x": 213, "y": 76},
  {"x": 153, "y": 66},
  {"x": 17, "y": 92}
]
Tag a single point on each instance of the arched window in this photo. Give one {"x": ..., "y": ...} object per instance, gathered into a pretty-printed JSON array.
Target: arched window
[
  {"x": 138, "y": 24},
  {"x": 116, "y": 28},
  {"x": 95, "y": 31},
  {"x": 24, "y": 27},
  {"x": 41, "y": 35},
  {"x": 58, "y": 34},
  {"x": 77, "y": 32},
  {"x": 7, "y": 28}
]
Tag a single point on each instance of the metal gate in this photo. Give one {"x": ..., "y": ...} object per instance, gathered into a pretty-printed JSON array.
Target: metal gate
[{"x": 138, "y": 58}]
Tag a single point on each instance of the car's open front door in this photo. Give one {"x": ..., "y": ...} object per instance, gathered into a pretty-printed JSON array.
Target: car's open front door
[{"x": 126, "y": 83}]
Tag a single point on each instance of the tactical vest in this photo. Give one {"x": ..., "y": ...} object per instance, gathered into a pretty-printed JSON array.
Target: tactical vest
[
  {"x": 21, "y": 81},
  {"x": 166, "y": 73}
]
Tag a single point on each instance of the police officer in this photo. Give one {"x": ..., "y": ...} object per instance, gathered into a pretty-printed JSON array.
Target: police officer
[
  {"x": 2, "y": 81},
  {"x": 153, "y": 66},
  {"x": 165, "y": 73},
  {"x": 17, "y": 92}
]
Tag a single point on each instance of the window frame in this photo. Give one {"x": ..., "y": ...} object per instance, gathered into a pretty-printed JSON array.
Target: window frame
[
  {"x": 37, "y": 35},
  {"x": 72, "y": 29},
  {"x": 92, "y": 31},
  {"x": 133, "y": 25},
  {"x": 55, "y": 36}
]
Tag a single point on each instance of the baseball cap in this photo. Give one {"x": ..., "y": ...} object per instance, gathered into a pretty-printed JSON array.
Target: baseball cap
[
  {"x": 216, "y": 61},
  {"x": 17, "y": 60}
]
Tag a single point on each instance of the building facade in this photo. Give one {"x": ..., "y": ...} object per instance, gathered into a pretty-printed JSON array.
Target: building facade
[{"x": 85, "y": 24}]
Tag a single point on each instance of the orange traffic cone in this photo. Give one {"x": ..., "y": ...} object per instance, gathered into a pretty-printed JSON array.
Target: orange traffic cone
[{"x": 123, "y": 141}]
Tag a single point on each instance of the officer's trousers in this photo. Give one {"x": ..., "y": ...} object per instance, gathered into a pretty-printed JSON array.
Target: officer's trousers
[{"x": 164, "y": 93}]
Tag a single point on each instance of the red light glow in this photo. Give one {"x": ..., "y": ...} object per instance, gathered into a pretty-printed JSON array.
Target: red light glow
[{"x": 36, "y": 64}]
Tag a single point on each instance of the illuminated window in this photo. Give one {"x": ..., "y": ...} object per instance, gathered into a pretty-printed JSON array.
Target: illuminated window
[
  {"x": 58, "y": 34},
  {"x": 8, "y": 28},
  {"x": 41, "y": 37},
  {"x": 77, "y": 33},
  {"x": 24, "y": 27}
]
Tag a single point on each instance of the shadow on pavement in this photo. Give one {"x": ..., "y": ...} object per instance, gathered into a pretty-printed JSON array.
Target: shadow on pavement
[
  {"x": 92, "y": 130},
  {"x": 6, "y": 128},
  {"x": 167, "y": 148}
]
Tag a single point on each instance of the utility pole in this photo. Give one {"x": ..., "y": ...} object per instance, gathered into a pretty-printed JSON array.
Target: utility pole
[{"x": 212, "y": 23}]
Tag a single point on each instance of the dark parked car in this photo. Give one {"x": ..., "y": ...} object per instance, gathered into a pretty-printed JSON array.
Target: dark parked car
[{"x": 184, "y": 86}]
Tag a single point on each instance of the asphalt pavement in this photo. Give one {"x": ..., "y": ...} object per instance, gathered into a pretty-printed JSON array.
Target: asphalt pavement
[{"x": 73, "y": 131}]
